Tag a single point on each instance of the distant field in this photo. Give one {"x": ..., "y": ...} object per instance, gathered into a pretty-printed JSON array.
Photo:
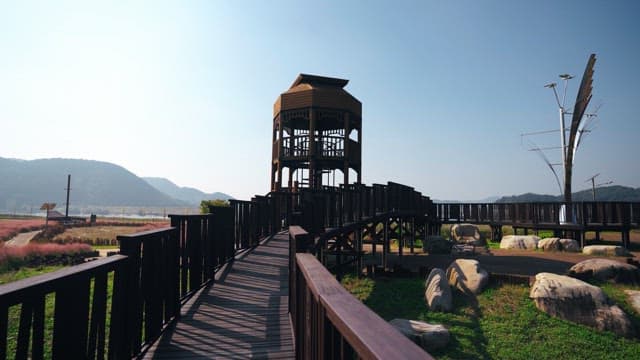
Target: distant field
[
  {"x": 10, "y": 227},
  {"x": 104, "y": 234}
]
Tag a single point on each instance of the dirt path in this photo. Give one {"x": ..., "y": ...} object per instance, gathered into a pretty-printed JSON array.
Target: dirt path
[
  {"x": 22, "y": 239},
  {"x": 104, "y": 252}
]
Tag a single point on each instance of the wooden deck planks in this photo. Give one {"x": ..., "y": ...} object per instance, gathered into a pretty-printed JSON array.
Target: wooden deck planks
[{"x": 243, "y": 315}]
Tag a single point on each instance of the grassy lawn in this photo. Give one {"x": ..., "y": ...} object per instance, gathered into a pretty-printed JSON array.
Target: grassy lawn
[
  {"x": 25, "y": 272},
  {"x": 501, "y": 323}
]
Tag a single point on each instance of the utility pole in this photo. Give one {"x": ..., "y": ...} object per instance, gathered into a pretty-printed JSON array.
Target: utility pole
[
  {"x": 66, "y": 213},
  {"x": 594, "y": 185}
]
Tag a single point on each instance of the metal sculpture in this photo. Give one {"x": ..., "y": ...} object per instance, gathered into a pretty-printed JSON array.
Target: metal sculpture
[{"x": 580, "y": 126}]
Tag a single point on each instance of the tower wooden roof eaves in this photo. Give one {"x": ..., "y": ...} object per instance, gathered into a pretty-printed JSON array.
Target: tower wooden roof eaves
[{"x": 319, "y": 80}]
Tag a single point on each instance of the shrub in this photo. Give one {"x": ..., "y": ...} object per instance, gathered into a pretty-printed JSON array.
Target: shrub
[
  {"x": 49, "y": 233},
  {"x": 12, "y": 258}
]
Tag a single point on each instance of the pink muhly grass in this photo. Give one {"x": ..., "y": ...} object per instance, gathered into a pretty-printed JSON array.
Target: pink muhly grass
[{"x": 21, "y": 252}]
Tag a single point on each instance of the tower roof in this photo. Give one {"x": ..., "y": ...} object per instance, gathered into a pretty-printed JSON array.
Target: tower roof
[
  {"x": 317, "y": 91},
  {"x": 315, "y": 80}
]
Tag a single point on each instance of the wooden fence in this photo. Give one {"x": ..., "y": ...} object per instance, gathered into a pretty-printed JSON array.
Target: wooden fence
[
  {"x": 156, "y": 272},
  {"x": 583, "y": 213},
  {"x": 329, "y": 323},
  {"x": 93, "y": 312}
]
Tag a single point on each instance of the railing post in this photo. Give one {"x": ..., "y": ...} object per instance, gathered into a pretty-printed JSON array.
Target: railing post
[
  {"x": 222, "y": 220},
  {"x": 133, "y": 320},
  {"x": 299, "y": 242}
]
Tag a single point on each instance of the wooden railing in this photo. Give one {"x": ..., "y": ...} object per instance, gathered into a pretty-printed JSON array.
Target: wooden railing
[
  {"x": 156, "y": 272},
  {"x": 88, "y": 316},
  {"x": 623, "y": 214},
  {"x": 331, "y": 207},
  {"x": 152, "y": 285},
  {"x": 329, "y": 322}
]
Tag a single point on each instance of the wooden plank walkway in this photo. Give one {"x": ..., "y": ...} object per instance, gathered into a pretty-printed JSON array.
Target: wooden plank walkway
[{"x": 243, "y": 315}]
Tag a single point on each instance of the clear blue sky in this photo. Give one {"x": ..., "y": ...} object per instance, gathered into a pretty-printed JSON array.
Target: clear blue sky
[{"x": 184, "y": 89}]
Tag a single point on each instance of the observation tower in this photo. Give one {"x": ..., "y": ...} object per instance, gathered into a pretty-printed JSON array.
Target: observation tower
[{"x": 317, "y": 135}]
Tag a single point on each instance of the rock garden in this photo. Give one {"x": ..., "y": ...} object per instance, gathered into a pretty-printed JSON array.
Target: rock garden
[{"x": 592, "y": 310}]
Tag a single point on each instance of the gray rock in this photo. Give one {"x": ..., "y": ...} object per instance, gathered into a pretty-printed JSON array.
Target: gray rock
[
  {"x": 428, "y": 336},
  {"x": 570, "y": 245},
  {"x": 557, "y": 244},
  {"x": 575, "y": 300},
  {"x": 605, "y": 250},
  {"x": 467, "y": 234},
  {"x": 605, "y": 269},
  {"x": 467, "y": 276},
  {"x": 437, "y": 292},
  {"x": 550, "y": 244},
  {"x": 436, "y": 245},
  {"x": 634, "y": 299},
  {"x": 519, "y": 242}
]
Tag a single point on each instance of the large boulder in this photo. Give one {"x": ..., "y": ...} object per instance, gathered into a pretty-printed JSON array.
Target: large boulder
[
  {"x": 605, "y": 269},
  {"x": 436, "y": 245},
  {"x": 467, "y": 234},
  {"x": 634, "y": 299},
  {"x": 467, "y": 276},
  {"x": 605, "y": 250},
  {"x": 428, "y": 336},
  {"x": 437, "y": 292},
  {"x": 557, "y": 244},
  {"x": 519, "y": 242},
  {"x": 550, "y": 244},
  {"x": 570, "y": 245},
  {"x": 575, "y": 300}
]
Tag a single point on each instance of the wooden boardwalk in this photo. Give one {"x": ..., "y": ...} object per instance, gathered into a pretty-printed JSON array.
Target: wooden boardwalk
[{"x": 243, "y": 315}]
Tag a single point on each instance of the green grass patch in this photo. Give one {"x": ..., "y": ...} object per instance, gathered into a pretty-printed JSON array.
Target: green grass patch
[
  {"x": 25, "y": 272},
  {"x": 105, "y": 247},
  {"x": 501, "y": 323}
]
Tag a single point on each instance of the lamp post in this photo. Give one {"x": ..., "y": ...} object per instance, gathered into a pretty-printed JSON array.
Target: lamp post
[{"x": 562, "y": 112}]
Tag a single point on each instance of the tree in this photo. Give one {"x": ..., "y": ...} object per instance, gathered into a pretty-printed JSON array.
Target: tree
[{"x": 204, "y": 204}]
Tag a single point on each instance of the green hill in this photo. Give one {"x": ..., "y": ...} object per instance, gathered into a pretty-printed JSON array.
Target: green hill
[
  {"x": 24, "y": 184},
  {"x": 606, "y": 193},
  {"x": 186, "y": 194}
]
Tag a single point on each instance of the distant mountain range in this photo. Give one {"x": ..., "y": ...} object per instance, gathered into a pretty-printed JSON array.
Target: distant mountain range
[
  {"x": 186, "y": 194},
  {"x": 489, "y": 199},
  {"x": 606, "y": 193},
  {"x": 27, "y": 184}
]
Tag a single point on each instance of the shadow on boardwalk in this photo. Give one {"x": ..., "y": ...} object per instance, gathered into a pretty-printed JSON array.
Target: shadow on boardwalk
[{"x": 243, "y": 315}]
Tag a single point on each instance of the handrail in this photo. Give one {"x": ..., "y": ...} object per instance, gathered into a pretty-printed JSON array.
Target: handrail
[
  {"x": 587, "y": 213},
  {"x": 80, "y": 314},
  {"x": 329, "y": 322},
  {"x": 157, "y": 271}
]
